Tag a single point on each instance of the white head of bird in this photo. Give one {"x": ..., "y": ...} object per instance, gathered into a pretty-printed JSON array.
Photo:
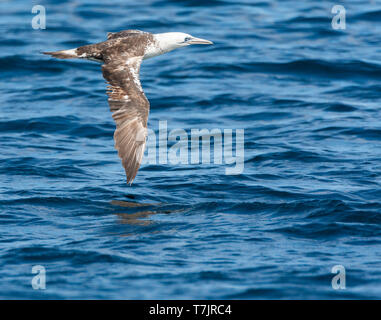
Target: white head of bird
[{"x": 165, "y": 42}]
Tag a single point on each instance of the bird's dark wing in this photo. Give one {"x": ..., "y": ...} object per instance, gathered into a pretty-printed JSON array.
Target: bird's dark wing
[
  {"x": 130, "y": 108},
  {"x": 123, "y": 33}
]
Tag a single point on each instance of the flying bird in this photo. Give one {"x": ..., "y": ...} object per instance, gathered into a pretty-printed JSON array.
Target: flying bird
[{"x": 121, "y": 56}]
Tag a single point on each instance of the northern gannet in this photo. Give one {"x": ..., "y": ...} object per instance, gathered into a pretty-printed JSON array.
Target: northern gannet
[{"x": 121, "y": 55}]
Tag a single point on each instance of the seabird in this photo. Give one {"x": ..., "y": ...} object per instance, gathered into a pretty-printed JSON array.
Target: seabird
[{"x": 121, "y": 55}]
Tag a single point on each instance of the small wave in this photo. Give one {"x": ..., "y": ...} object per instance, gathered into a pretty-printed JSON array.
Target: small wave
[
  {"x": 326, "y": 231},
  {"x": 364, "y": 93},
  {"x": 313, "y": 68},
  {"x": 292, "y": 155},
  {"x": 43, "y": 254},
  {"x": 340, "y": 107},
  {"x": 367, "y": 16},
  {"x": 18, "y": 64},
  {"x": 69, "y": 125}
]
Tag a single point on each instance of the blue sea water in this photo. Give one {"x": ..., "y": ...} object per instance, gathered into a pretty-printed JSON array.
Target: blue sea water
[{"x": 309, "y": 198}]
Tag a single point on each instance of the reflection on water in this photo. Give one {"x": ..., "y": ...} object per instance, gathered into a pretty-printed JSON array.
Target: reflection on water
[
  {"x": 141, "y": 218},
  {"x": 135, "y": 218},
  {"x": 129, "y": 204}
]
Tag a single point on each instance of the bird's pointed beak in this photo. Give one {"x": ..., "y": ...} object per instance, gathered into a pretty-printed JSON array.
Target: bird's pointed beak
[{"x": 199, "y": 41}]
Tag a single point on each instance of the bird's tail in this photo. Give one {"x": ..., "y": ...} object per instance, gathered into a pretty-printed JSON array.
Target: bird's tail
[{"x": 63, "y": 54}]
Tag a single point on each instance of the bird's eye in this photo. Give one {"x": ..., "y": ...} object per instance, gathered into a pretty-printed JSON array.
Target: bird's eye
[{"x": 187, "y": 39}]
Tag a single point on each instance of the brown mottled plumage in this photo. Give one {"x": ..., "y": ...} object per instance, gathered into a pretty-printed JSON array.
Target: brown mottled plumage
[{"x": 121, "y": 55}]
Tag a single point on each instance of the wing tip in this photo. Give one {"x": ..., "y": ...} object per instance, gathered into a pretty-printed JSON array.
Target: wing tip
[{"x": 130, "y": 176}]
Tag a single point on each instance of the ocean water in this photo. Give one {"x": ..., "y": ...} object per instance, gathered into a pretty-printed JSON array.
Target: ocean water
[{"x": 309, "y": 197}]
